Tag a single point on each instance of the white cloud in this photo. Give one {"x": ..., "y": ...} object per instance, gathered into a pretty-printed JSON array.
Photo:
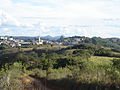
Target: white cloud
[
  {"x": 62, "y": 13},
  {"x": 61, "y": 8},
  {"x": 7, "y": 20}
]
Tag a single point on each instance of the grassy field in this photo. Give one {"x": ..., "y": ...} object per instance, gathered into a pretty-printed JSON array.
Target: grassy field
[{"x": 97, "y": 58}]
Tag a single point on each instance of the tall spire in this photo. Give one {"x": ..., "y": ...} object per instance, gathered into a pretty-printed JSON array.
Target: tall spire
[
  {"x": 39, "y": 35},
  {"x": 39, "y": 39}
]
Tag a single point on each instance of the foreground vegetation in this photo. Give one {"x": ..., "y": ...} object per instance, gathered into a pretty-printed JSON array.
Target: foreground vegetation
[{"x": 78, "y": 67}]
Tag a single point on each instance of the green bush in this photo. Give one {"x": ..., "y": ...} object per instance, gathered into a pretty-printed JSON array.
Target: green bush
[{"x": 116, "y": 63}]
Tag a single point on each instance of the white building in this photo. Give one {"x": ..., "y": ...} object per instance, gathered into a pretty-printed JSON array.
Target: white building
[
  {"x": 40, "y": 42},
  {"x": 11, "y": 39},
  {"x": 3, "y": 38}
]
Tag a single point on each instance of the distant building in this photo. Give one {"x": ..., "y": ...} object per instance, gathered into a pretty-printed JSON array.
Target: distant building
[
  {"x": 3, "y": 38},
  {"x": 40, "y": 42},
  {"x": 25, "y": 43},
  {"x": 12, "y": 44},
  {"x": 18, "y": 44},
  {"x": 11, "y": 39}
]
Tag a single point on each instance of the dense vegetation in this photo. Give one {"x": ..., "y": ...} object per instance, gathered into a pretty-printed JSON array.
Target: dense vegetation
[
  {"x": 106, "y": 42},
  {"x": 78, "y": 67},
  {"x": 4, "y": 46}
]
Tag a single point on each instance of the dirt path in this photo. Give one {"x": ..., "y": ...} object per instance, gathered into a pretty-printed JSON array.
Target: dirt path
[{"x": 34, "y": 84}]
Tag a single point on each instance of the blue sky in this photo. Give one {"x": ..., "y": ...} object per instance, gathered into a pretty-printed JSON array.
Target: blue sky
[{"x": 60, "y": 17}]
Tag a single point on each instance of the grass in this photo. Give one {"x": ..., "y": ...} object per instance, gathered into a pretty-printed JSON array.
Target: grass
[
  {"x": 69, "y": 52},
  {"x": 93, "y": 58},
  {"x": 49, "y": 47}
]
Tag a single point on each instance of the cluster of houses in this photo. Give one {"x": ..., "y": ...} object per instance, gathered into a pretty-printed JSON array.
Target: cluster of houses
[
  {"x": 17, "y": 42},
  {"x": 12, "y": 42}
]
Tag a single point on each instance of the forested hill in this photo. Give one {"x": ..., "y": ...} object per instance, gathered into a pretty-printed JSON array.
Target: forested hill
[{"x": 106, "y": 42}]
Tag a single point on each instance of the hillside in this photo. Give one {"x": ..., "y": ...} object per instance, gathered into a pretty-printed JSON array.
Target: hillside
[
  {"x": 77, "y": 67},
  {"x": 106, "y": 42}
]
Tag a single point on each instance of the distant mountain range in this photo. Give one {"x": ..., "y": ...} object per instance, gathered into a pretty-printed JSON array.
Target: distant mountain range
[{"x": 48, "y": 37}]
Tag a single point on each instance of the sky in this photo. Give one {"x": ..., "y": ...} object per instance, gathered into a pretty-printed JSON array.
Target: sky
[{"x": 90, "y": 18}]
